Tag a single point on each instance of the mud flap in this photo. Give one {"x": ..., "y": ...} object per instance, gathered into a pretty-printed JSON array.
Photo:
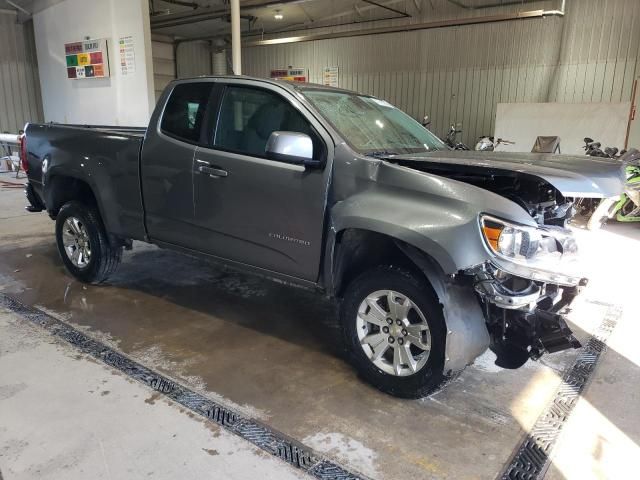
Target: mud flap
[{"x": 35, "y": 205}]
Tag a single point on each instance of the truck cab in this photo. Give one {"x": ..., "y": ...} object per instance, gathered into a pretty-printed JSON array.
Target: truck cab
[{"x": 210, "y": 184}]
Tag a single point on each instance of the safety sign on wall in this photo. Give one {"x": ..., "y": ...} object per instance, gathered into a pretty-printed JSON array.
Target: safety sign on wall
[
  {"x": 330, "y": 76},
  {"x": 87, "y": 59},
  {"x": 127, "y": 55},
  {"x": 290, "y": 74}
]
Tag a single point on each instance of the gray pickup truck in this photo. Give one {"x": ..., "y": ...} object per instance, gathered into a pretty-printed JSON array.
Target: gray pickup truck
[{"x": 432, "y": 255}]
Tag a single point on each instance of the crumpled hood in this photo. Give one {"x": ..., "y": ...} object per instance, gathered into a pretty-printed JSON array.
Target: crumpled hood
[{"x": 573, "y": 176}]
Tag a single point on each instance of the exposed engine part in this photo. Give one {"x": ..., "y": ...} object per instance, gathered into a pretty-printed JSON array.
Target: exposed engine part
[
  {"x": 525, "y": 318},
  {"x": 508, "y": 293},
  {"x": 540, "y": 199}
]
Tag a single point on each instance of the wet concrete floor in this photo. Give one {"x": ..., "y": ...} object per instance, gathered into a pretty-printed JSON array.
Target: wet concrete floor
[{"x": 274, "y": 352}]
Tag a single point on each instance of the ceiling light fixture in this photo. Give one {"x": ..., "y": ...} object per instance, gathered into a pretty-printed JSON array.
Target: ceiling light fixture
[{"x": 278, "y": 15}]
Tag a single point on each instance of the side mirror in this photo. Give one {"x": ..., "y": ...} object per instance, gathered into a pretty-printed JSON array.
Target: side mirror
[
  {"x": 426, "y": 121},
  {"x": 291, "y": 147}
]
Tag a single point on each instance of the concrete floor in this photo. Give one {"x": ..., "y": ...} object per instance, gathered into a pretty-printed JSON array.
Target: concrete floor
[
  {"x": 64, "y": 416},
  {"x": 274, "y": 354}
]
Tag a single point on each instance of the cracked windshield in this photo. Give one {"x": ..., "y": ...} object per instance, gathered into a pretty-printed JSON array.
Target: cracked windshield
[{"x": 373, "y": 126}]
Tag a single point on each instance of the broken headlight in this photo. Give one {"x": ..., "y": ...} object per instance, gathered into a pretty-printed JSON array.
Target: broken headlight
[{"x": 544, "y": 254}]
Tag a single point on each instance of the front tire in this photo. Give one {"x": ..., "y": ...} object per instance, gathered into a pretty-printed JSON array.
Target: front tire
[
  {"x": 395, "y": 331},
  {"x": 83, "y": 243}
]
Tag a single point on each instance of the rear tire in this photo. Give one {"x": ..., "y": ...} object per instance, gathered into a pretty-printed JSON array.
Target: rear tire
[
  {"x": 87, "y": 254},
  {"x": 420, "y": 372}
]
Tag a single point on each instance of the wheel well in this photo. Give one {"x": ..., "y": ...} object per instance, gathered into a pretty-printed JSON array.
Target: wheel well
[
  {"x": 357, "y": 251},
  {"x": 61, "y": 190}
]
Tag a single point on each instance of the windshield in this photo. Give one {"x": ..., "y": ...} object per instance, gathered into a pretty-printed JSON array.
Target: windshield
[{"x": 372, "y": 126}]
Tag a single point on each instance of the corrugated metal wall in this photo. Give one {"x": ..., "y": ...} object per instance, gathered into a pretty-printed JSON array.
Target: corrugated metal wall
[
  {"x": 199, "y": 57},
  {"x": 20, "y": 99},
  {"x": 194, "y": 59},
  {"x": 459, "y": 74},
  {"x": 164, "y": 65}
]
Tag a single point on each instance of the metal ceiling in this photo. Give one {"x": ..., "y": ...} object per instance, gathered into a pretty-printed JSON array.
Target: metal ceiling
[
  {"x": 26, "y": 8},
  {"x": 202, "y": 18}
]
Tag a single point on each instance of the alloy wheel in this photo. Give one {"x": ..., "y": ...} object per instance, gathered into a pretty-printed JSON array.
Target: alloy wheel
[
  {"x": 393, "y": 333},
  {"x": 75, "y": 239}
]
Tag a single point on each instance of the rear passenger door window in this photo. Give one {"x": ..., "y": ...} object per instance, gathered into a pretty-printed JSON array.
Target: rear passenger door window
[
  {"x": 248, "y": 117},
  {"x": 184, "y": 113}
]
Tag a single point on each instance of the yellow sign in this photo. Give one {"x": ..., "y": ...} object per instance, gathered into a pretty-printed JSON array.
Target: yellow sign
[{"x": 83, "y": 59}]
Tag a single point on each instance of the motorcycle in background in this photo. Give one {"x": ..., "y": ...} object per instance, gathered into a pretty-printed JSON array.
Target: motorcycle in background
[
  {"x": 627, "y": 209},
  {"x": 587, "y": 206},
  {"x": 489, "y": 144},
  {"x": 592, "y": 148},
  {"x": 452, "y": 137},
  {"x": 596, "y": 210}
]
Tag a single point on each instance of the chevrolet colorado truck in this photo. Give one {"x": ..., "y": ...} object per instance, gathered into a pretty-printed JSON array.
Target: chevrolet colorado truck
[{"x": 432, "y": 255}]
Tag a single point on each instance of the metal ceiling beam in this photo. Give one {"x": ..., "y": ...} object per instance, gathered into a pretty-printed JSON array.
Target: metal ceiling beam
[
  {"x": 182, "y": 3},
  {"x": 386, "y": 7},
  {"x": 358, "y": 10},
  {"x": 209, "y": 13},
  {"x": 409, "y": 27},
  {"x": 310, "y": 25},
  {"x": 18, "y": 7},
  {"x": 506, "y": 3},
  {"x": 189, "y": 21},
  {"x": 290, "y": 28}
]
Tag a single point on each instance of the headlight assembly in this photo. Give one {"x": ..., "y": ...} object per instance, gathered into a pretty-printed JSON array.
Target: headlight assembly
[{"x": 543, "y": 254}]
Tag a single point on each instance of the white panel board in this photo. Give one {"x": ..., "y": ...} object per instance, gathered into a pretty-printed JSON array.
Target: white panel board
[{"x": 523, "y": 122}]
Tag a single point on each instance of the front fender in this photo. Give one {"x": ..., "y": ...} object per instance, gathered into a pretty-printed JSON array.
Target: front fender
[
  {"x": 452, "y": 240},
  {"x": 352, "y": 214},
  {"x": 437, "y": 215}
]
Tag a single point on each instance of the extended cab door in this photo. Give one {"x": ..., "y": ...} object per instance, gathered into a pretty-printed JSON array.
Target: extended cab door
[
  {"x": 176, "y": 129},
  {"x": 253, "y": 210}
]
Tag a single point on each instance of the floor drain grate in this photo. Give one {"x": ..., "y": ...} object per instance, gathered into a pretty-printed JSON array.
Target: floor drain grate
[
  {"x": 268, "y": 439},
  {"x": 532, "y": 458}
]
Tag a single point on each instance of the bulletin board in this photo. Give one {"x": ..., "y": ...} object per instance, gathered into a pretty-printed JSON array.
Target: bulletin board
[{"x": 87, "y": 59}]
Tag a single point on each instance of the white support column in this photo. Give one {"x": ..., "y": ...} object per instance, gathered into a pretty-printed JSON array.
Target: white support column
[{"x": 236, "y": 58}]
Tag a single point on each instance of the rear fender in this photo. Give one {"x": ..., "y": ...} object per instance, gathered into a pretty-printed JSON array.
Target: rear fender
[{"x": 61, "y": 185}]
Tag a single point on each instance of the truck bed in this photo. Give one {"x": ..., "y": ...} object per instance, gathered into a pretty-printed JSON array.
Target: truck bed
[
  {"x": 134, "y": 131},
  {"x": 104, "y": 157}
]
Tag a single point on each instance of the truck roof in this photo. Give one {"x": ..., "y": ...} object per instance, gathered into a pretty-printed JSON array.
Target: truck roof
[{"x": 290, "y": 85}]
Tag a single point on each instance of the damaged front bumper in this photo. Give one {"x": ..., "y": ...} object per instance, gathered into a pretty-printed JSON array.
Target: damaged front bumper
[{"x": 525, "y": 318}]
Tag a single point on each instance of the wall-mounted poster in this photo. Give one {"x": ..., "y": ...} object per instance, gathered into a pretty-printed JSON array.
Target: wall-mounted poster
[
  {"x": 87, "y": 59},
  {"x": 330, "y": 76},
  {"x": 291, "y": 74},
  {"x": 127, "y": 56}
]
